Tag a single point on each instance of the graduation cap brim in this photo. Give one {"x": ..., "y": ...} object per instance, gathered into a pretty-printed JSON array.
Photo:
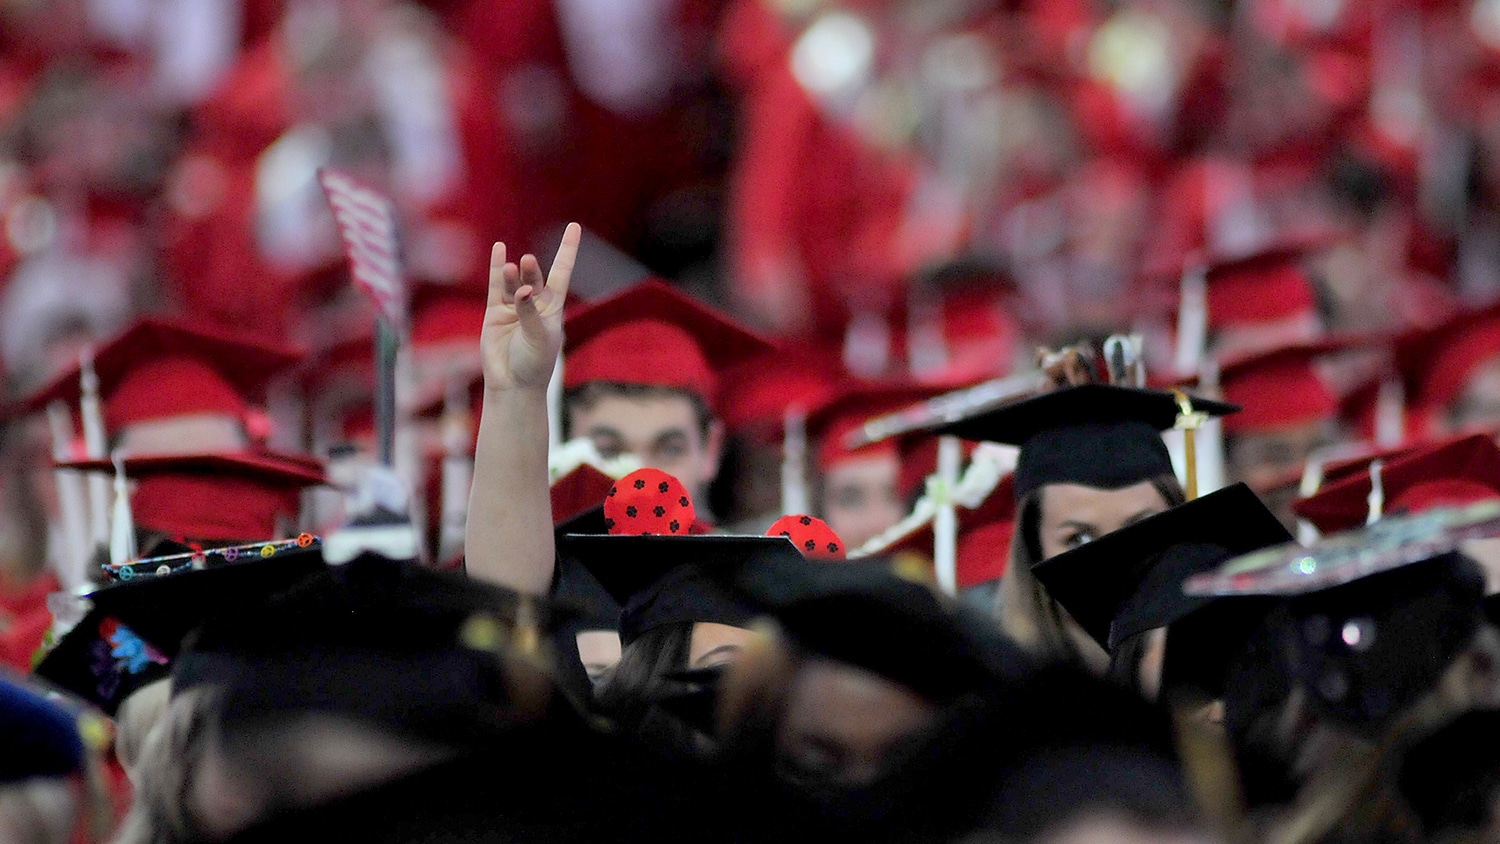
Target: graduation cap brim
[
  {"x": 244, "y": 361},
  {"x": 164, "y": 609},
  {"x": 628, "y": 565},
  {"x": 1094, "y": 582},
  {"x": 1389, "y": 544},
  {"x": 284, "y": 469},
  {"x": 722, "y": 340},
  {"x": 1016, "y": 422}
]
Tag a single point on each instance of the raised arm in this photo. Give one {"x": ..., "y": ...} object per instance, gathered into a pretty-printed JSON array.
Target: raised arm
[{"x": 508, "y": 540}]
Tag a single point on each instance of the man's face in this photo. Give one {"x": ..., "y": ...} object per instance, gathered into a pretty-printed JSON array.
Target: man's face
[
  {"x": 660, "y": 430},
  {"x": 860, "y": 500}
]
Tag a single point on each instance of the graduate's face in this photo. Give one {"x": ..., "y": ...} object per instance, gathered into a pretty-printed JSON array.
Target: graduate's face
[
  {"x": 599, "y": 651},
  {"x": 202, "y": 433},
  {"x": 845, "y": 726},
  {"x": 663, "y": 431},
  {"x": 859, "y": 497},
  {"x": 1264, "y": 460},
  {"x": 712, "y": 644},
  {"x": 1074, "y": 514}
]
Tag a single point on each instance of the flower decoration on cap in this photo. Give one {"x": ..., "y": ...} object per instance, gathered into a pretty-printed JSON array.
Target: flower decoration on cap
[
  {"x": 648, "y": 502},
  {"x": 812, "y": 536}
]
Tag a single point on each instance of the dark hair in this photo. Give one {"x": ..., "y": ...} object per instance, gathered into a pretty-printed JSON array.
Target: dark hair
[
  {"x": 1125, "y": 661},
  {"x": 591, "y": 393},
  {"x": 628, "y": 695}
]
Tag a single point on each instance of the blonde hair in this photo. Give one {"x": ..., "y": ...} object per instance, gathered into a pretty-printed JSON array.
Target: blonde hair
[
  {"x": 137, "y": 715},
  {"x": 38, "y": 811},
  {"x": 171, "y": 751}
]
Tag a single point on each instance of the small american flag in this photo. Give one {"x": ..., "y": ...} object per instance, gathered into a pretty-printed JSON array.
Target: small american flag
[{"x": 367, "y": 223}]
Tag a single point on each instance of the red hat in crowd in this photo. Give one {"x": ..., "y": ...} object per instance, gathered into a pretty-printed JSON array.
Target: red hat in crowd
[
  {"x": 161, "y": 368},
  {"x": 831, "y": 424},
  {"x": 652, "y": 335},
  {"x": 216, "y": 497},
  {"x": 1453, "y": 473},
  {"x": 1284, "y": 387}
]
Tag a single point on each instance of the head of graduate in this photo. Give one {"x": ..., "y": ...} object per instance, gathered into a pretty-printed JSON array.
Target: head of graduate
[
  {"x": 641, "y": 376},
  {"x": 1092, "y": 461}
]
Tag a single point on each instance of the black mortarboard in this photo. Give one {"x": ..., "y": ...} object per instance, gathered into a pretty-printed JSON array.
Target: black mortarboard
[
  {"x": 38, "y": 737},
  {"x": 1130, "y": 580},
  {"x": 660, "y": 579},
  {"x": 163, "y": 608},
  {"x": 1095, "y": 434},
  {"x": 1373, "y": 617},
  {"x": 387, "y": 641},
  {"x": 103, "y": 662},
  {"x": 575, "y": 585},
  {"x": 865, "y": 615}
]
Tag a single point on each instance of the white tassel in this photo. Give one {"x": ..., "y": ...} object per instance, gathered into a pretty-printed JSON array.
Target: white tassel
[
  {"x": 794, "y": 462},
  {"x": 96, "y": 447},
  {"x": 1376, "y": 500},
  {"x": 945, "y": 521},
  {"x": 122, "y": 527},
  {"x": 72, "y": 570}
]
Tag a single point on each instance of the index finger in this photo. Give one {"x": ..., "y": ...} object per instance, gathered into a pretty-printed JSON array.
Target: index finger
[{"x": 561, "y": 274}]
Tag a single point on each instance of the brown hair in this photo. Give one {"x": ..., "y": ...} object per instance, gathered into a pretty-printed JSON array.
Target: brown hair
[
  {"x": 1024, "y": 609},
  {"x": 587, "y": 395}
]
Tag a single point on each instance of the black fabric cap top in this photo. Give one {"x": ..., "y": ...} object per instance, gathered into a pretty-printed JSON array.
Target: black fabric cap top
[
  {"x": 385, "y": 641},
  {"x": 1367, "y": 649},
  {"x": 864, "y": 615},
  {"x": 1098, "y": 435},
  {"x": 1130, "y": 581},
  {"x": 660, "y": 580}
]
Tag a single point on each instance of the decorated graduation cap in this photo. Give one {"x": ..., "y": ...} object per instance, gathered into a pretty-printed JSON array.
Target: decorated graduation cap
[
  {"x": 1457, "y": 472},
  {"x": 1098, "y": 435},
  {"x": 1370, "y": 619},
  {"x": 1129, "y": 581},
  {"x": 39, "y": 737},
  {"x": 430, "y": 642},
  {"x": 650, "y": 334},
  {"x": 653, "y": 566},
  {"x": 160, "y": 368},
  {"x": 811, "y": 535},
  {"x": 216, "y": 497}
]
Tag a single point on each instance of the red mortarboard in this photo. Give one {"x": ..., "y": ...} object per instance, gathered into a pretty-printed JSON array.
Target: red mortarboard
[
  {"x": 1263, "y": 286},
  {"x": 648, "y": 502},
  {"x": 215, "y": 497},
  {"x": 443, "y": 312},
  {"x": 1282, "y": 387},
  {"x": 1440, "y": 360},
  {"x": 579, "y": 491},
  {"x": 161, "y": 368},
  {"x": 812, "y": 536},
  {"x": 1457, "y": 472},
  {"x": 651, "y": 334},
  {"x": 830, "y": 424},
  {"x": 756, "y": 394}
]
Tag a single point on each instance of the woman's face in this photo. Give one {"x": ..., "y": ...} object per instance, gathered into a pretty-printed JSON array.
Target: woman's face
[
  {"x": 713, "y": 644},
  {"x": 599, "y": 651},
  {"x": 1074, "y": 514},
  {"x": 860, "y": 500},
  {"x": 844, "y": 726}
]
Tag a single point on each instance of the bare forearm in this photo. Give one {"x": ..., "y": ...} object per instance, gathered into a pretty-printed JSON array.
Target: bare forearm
[{"x": 508, "y": 540}]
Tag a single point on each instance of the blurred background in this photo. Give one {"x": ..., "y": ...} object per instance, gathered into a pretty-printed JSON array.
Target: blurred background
[{"x": 923, "y": 188}]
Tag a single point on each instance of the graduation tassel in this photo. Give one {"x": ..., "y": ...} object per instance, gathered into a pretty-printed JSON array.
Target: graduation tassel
[
  {"x": 458, "y": 474},
  {"x": 1376, "y": 499},
  {"x": 96, "y": 447},
  {"x": 122, "y": 527},
  {"x": 1192, "y": 318},
  {"x": 794, "y": 461},
  {"x": 72, "y": 570},
  {"x": 1312, "y": 480},
  {"x": 1188, "y": 422},
  {"x": 1390, "y": 413},
  {"x": 945, "y": 520}
]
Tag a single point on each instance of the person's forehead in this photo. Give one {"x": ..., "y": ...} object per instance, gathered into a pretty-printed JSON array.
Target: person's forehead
[
  {"x": 632, "y": 416},
  {"x": 1065, "y": 500}
]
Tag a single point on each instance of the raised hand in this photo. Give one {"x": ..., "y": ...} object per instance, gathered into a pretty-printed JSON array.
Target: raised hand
[{"x": 523, "y": 333}]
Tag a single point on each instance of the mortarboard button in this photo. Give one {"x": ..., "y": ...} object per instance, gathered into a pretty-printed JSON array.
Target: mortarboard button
[{"x": 648, "y": 502}]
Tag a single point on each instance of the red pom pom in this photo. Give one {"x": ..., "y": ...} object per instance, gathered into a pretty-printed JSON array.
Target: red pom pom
[
  {"x": 812, "y": 536},
  {"x": 648, "y": 502}
]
